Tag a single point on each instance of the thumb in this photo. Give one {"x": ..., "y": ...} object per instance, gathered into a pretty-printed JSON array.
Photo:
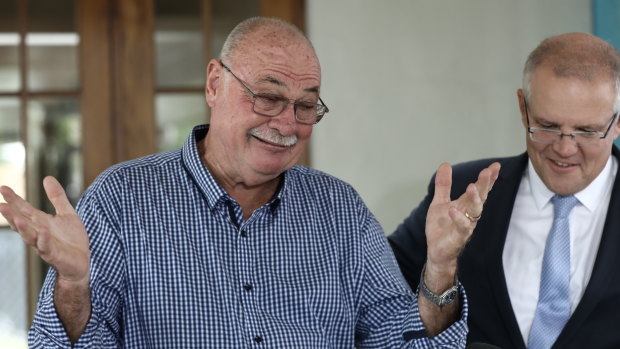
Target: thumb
[{"x": 56, "y": 195}]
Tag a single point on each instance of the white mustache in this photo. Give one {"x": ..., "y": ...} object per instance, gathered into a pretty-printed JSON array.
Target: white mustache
[{"x": 273, "y": 136}]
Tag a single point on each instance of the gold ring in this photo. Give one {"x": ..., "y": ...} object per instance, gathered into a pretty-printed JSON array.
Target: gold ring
[{"x": 473, "y": 219}]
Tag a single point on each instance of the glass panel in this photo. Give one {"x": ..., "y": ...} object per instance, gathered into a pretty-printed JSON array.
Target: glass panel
[
  {"x": 52, "y": 61},
  {"x": 9, "y": 62},
  {"x": 13, "y": 310},
  {"x": 176, "y": 115},
  {"x": 9, "y": 40},
  {"x": 178, "y": 44},
  {"x": 54, "y": 148},
  {"x": 52, "y": 45},
  {"x": 226, "y": 15},
  {"x": 12, "y": 154}
]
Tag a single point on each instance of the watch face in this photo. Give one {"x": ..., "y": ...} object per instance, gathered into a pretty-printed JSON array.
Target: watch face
[{"x": 448, "y": 297}]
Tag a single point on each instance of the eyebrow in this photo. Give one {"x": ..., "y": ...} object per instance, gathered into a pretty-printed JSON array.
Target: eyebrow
[
  {"x": 272, "y": 80},
  {"x": 541, "y": 120}
]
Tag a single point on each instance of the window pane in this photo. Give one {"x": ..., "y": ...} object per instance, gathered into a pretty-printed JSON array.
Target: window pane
[
  {"x": 12, "y": 154},
  {"x": 226, "y": 15},
  {"x": 9, "y": 63},
  {"x": 54, "y": 148},
  {"x": 52, "y": 61},
  {"x": 13, "y": 310},
  {"x": 178, "y": 44},
  {"x": 52, "y": 45},
  {"x": 177, "y": 114},
  {"x": 9, "y": 39}
]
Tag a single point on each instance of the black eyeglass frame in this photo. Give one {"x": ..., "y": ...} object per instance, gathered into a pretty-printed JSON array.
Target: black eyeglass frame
[
  {"x": 322, "y": 107},
  {"x": 572, "y": 135}
]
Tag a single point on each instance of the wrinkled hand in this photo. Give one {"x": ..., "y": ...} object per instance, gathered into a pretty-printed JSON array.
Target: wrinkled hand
[
  {"x": 60, "y": 240},
  {"x": 447, "y": 227}
]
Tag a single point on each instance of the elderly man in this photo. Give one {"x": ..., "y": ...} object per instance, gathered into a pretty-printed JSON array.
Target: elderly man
[
  {"x": 226, "y": 244},
  {"x": 541, "y": 266}
]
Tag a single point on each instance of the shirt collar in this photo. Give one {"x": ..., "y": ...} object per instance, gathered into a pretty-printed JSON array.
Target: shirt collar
[
  {"x": 212, "y": 191},
  {"x": 588, "y": 197}
]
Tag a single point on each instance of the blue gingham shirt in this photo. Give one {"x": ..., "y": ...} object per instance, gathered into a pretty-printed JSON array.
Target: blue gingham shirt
[{"x": 174, "y": 265}]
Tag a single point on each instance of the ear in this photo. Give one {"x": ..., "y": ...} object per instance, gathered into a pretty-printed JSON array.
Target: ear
[
  {"x": 615, "y": 128},
  {"x": 214, "y": 75},
  {"x": 521, "y": 100}
]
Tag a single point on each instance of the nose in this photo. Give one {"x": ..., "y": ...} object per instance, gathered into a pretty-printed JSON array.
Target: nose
[
  {"x": 285, "y": 122},
  {"x": 567, "y": 146}
]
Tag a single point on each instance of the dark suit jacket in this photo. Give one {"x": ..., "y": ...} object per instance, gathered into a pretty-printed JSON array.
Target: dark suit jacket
[{"x": 596, "y": 320}]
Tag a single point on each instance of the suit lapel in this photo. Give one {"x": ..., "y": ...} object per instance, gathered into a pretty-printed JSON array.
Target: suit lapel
[
  {"x": 499, "y": 210},
  {"x": 604, "y": 266}
]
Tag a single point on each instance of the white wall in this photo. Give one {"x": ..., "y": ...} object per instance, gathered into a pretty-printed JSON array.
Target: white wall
[{"x": 412, "y": 83}]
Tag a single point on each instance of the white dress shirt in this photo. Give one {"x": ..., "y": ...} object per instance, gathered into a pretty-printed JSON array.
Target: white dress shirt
[{"x": 530, "y": 224}]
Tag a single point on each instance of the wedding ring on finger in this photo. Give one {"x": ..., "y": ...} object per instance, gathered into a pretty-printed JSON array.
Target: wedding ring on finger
[{"x": 472, "y": 218}]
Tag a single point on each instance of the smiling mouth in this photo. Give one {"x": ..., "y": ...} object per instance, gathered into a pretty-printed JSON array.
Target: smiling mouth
[
  {"x": 273, "y": 138},
  {"x": 272, "y": 143},
  {"x": 562, "y": 164}
]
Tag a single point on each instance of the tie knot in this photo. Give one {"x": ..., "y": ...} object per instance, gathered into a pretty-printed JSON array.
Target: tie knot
[{"x": 562, "y": 205}]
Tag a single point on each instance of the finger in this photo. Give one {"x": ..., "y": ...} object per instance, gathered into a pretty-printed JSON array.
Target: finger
[
  {"x": 494, "y": 168},
  {"x": 57, "y": 196},
  {"x": 443, "y": 183},
  {"x": 43, "y": 242},
  {"x": 5, "y": 210},
  {"x": 463, "y": 224},
  {"x": 26, "y": 230},
  {"x": 483, "y": 183},
  {"x": 474, "y": 196},
  {"x": 489, "y": 175},
  {"x": 7, "y": 193},
  {"x": 30, "y": 219},
  {"x": 486, "y": 179},
  {"x": 18, "y": 206},
  {"x": 470, "y": 202}
]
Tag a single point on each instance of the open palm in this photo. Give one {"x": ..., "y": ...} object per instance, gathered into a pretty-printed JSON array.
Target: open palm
[
  {"x": 447, "y": 227},
  {"x": 61, "y": 240}
]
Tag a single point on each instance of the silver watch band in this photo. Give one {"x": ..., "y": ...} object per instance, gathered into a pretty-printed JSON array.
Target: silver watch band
[{"x": 440, "y": 300}]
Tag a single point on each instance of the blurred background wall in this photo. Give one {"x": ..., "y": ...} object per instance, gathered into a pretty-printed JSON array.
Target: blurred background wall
[{"x": 413, "y": 83}]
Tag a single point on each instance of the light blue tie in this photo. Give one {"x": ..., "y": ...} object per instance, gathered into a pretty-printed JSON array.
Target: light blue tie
[{"x": 553, "y": 309}]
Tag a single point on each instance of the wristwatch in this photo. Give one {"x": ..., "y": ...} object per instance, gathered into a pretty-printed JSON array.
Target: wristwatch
[{"x": 440, "y": 300}]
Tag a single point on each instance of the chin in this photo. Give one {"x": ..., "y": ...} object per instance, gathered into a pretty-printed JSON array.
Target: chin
[
  {"x": 564, "y": 190},
  {"x": 272, "y": 169},
  {"x": 275, "y": 165}
]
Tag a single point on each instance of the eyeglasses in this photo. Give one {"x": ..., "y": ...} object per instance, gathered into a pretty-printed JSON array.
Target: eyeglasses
[
  {"x": 268, "y": 104},
  {"x": 553, "y": 136}
]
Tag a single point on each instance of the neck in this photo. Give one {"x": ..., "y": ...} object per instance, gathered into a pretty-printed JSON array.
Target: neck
[{"x": 249, "y": 194}]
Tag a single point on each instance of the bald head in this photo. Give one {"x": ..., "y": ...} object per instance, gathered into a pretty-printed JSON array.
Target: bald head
[
  {"x": 261, "y": 29},
  {"x": 575, "y": 55}
]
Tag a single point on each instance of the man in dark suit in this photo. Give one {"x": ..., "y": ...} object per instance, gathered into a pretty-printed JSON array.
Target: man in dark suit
[{"x": 534, "y": 276}]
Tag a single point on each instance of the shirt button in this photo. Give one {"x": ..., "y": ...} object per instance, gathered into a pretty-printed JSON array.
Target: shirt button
[
  {"x": 247, "y": 287},
  {"x": 258, "y": 339},
  {"x": 244, "y": 234}
]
